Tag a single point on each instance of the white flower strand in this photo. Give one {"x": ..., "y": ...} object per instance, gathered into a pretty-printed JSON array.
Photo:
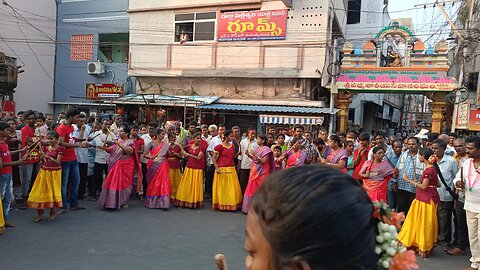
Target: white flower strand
[{"x": 387, "y": 245}]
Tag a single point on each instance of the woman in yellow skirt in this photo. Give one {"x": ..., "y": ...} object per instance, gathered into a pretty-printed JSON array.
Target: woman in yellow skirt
[
  {"x": 2, "y": 220},
  {"x": 227, "y": 195},
  {"x": 173, "y": 157},
  {"x": 190, "y": 190},
  {"x": 420, "y": 230},
  {"x": 47, "y": 188}
]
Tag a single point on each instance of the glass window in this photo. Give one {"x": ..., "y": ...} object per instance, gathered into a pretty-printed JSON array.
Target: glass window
[
  {"x": 184, "y": 17},
  {"x": 354, "y": 11},
  {"x": 206, "y": 16},
  {"x": 198, "y": 26},
  {"x": 113, "y": 47}
]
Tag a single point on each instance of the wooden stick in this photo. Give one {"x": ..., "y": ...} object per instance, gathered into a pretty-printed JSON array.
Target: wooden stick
[
  {"x": 221, "y": 262},
  {"x": 91, "y": 139}
]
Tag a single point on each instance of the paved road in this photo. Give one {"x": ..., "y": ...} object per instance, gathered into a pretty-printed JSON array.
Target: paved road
[{"x": 137, "y": 238}]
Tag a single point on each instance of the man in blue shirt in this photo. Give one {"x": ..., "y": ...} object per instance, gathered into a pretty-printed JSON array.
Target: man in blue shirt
[{"x": 409, "y": 166}]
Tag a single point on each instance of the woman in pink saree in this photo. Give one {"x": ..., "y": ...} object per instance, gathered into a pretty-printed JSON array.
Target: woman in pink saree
[
  {"x": 158, "y": 179},
  {"x": 294, "y": 155},
  {"x": 338, "y": 156},
  {"x": 123, "y": 167},
  {"x": 262, "y": 165},
  {"x": 375, "y": 174}
]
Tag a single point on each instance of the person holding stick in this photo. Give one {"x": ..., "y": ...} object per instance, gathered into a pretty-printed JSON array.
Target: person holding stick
[
  {"x": 294, "y": 155},
  {"x": 123, "y": 164},
  {"x": 70, "y": 170},
  {"x": 100, "y": 165},
  {"x": 47, "y": 188},
  {"x": 158, "y": 178},
  {"x": 6, "y": 180},
  {"x": 31, "y": 164},
  {"x": 190, "y": 190},
  {"x": 227, "y": 194}
]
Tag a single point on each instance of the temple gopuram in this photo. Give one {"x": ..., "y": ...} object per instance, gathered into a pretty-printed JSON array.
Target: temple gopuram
[{"x": 395, "y": 61}]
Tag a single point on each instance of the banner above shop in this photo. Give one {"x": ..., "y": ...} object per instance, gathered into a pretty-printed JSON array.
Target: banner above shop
[
  {"x": 382, "y": 80},
  {"x": 252, "y": 25},
  {"x": 103, "y": 91},
  {"x": 474, "y": 121}
]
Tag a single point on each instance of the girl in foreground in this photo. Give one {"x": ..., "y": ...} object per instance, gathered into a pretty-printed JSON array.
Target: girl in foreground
[
  {"x": 316, "y": 217},
  {"x": 420, "y": 230},
  {"x": 47, "y": 188}
]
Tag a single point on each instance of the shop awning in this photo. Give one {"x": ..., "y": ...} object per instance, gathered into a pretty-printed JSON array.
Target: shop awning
[
  {"x": 267, "y": 108},
  {"x": 163, "y": 100},
  {"x": 291, "y": 119}
]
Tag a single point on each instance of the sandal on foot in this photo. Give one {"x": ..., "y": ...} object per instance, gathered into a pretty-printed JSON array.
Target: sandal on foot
[
  {"x": 8, "y": 224},
  {"x": 37, "y": 219},
  {"x": 78, "y": 207},
  {"x": 52, "y": 217}
]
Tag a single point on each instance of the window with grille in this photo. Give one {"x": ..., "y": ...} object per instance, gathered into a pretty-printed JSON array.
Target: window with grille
[{"x": 198, "y": 26}]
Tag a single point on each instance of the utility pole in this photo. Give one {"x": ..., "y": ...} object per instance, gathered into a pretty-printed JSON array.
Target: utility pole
[
  {"x": 462, "y": 46},
  {"x": 464, "y": 51},
  {"x": 333, "y": 85}
]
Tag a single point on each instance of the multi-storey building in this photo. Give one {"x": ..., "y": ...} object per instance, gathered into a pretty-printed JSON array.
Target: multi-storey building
[
  {"x": 255, "y": 61},
  {"x": 92, "y": 52},
  {"x": 28, "y": 34}
]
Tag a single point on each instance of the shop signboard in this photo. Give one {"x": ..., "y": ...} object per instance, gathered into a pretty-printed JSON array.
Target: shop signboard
[
  {"x": 462, "y": 115},
  {"x": 395, "y": 81},
  {"x": 103, "y": 91},
  {"x": 252, "y": 25},
  {"x": 474, "y": 121}
]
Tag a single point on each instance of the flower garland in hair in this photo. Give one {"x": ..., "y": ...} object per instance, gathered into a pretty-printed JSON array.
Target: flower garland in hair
[
  {"x": 433, "y": 159},
  {"x": 392, "y": 256}
]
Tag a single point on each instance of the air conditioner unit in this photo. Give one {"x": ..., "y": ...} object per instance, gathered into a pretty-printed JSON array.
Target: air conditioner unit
[{"x": 96, "y": 68}]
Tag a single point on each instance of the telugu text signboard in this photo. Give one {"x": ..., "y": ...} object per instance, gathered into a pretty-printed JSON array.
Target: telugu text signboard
[
  {"x": 474, "y": 121},
  {"x": 103, "y": 91},
  {"x": 252, "y": 25},
  {"x": 462, "y": 115},
  {"x": 390, "y": 80}
]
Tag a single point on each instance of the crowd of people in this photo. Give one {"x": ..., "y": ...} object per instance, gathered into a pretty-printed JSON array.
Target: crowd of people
[{"x": 61, "y": 161}]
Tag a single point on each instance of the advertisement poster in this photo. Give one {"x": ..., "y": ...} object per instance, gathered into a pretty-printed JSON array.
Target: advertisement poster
[
  {"x": 252, "y": 25},
  {"x": 103, "y": 91},
  {"x": 474, "y": 121}
]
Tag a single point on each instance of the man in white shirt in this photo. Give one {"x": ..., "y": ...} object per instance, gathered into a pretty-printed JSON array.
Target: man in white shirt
[
  {"x": 461, "y": 230},
  {"x": 247, "y": 144},
  {"x": 205, "y": 134},
  {"x": 470, "y": 184},
  {"x": 100, "y": 166},
  {"x": 448, "y": 168},
  {"x": 117, "y": 122},
  {"x": 81, "y": 133},
  {"x": 380, "y": 140},
  {"x": 214, "y": 141}
]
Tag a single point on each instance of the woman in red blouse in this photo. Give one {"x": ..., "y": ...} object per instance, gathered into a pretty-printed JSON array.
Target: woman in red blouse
[
  {"x": 227, "y": 194},
  {"x": 190, "y": 190},
  {"x": 174, "y": 155},
  {"x": 47, "y": 188}
]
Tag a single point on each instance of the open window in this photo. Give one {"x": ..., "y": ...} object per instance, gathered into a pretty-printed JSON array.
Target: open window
[
  {"x": 113, "y": 47},
  {"x": 354, "y": 11},
  {"x": 198, "y": 26}
]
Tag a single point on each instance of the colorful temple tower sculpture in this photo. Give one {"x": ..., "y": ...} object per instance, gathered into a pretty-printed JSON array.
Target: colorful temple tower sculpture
[{"x": 395, "y": 61}]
